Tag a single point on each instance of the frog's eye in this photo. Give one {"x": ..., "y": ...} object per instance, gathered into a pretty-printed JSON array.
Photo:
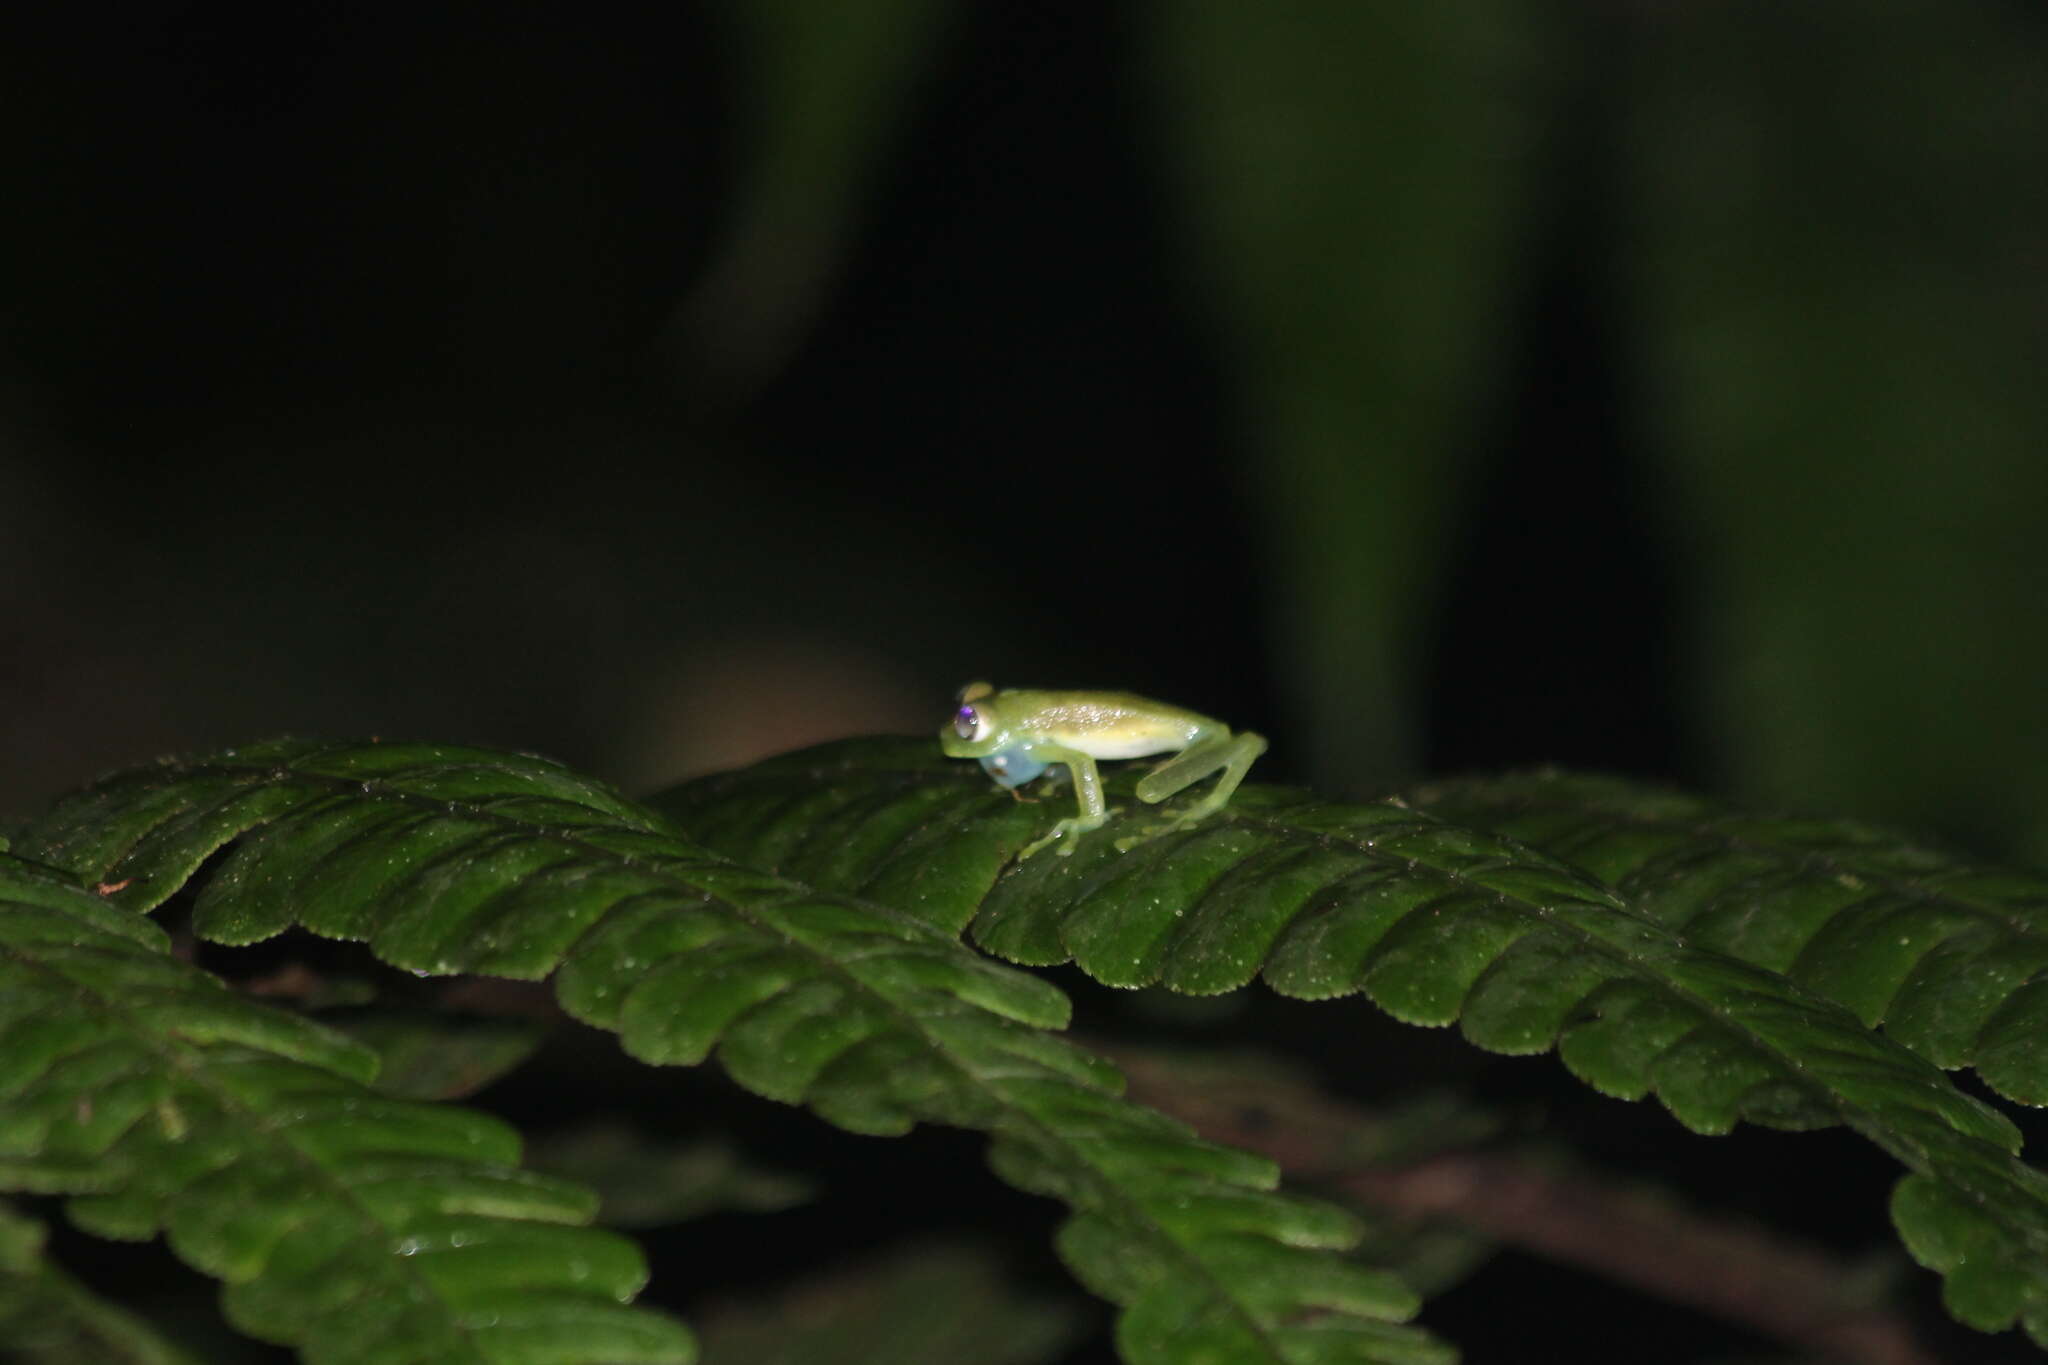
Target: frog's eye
[{"x": 969, "y": 724}]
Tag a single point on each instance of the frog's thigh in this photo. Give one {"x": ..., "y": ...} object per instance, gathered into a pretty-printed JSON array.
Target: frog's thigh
[
  {"x": 1197, "y": 761},
  {"x": 1186, "y": 768}
]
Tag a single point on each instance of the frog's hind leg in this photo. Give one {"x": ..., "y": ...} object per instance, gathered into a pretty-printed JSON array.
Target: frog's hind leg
[{"x": 1233, "y": 755}]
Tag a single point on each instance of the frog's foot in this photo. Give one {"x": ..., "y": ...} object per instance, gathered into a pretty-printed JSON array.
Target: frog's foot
[
  {"x": 1073, "y": 825},
  {"x": 1148, "y": 833}
]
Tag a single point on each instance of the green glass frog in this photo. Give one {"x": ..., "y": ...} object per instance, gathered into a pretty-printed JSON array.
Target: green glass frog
[{"x": 1018, "y": 733}]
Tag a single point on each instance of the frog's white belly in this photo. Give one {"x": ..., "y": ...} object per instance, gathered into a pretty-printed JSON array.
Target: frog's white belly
[{"x": 1126, "y": 744}]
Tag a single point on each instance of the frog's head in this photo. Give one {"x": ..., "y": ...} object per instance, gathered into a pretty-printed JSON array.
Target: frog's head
[{"x": 977, "y": 726}]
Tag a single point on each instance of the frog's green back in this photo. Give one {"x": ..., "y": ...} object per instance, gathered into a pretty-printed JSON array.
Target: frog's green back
[{"x": 1104, "y": 724}]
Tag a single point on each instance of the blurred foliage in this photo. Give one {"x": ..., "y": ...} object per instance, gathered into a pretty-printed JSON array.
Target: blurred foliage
[
  {"x": 826, "y": 86},
  {"x": 985, "y": 320},
  {"x": 936, "y": 1302},
  {"x": 424, "y": 1055},
  {"x": 48, "y": 1318},
  {"x": 1352, "y": 174},
  {"x": 1838, "y": 250},
  {"x": 643, "y": 1181}
]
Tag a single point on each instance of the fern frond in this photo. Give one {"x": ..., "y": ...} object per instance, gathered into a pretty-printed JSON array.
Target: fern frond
[
  {"x": 359, "y": 1228},
  {"x": 1437, "y": 924},
  {"x": 450, "y": 860},
  {"x": 1950, "y": 957}
]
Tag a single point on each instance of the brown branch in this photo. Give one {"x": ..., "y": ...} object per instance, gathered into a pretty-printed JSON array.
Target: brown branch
[
  {"x": 1742, "y": 1273},
  {"x": 490, "y": 996}
]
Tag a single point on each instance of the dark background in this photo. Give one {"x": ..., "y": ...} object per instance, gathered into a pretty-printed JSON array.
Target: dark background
[{"x": 1643, "y": 387}]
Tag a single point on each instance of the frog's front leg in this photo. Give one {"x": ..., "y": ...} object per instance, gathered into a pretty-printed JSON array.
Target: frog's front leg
[
  {"x": 1087, "y": 792},
  {"x": 1232, "y": 754}
]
